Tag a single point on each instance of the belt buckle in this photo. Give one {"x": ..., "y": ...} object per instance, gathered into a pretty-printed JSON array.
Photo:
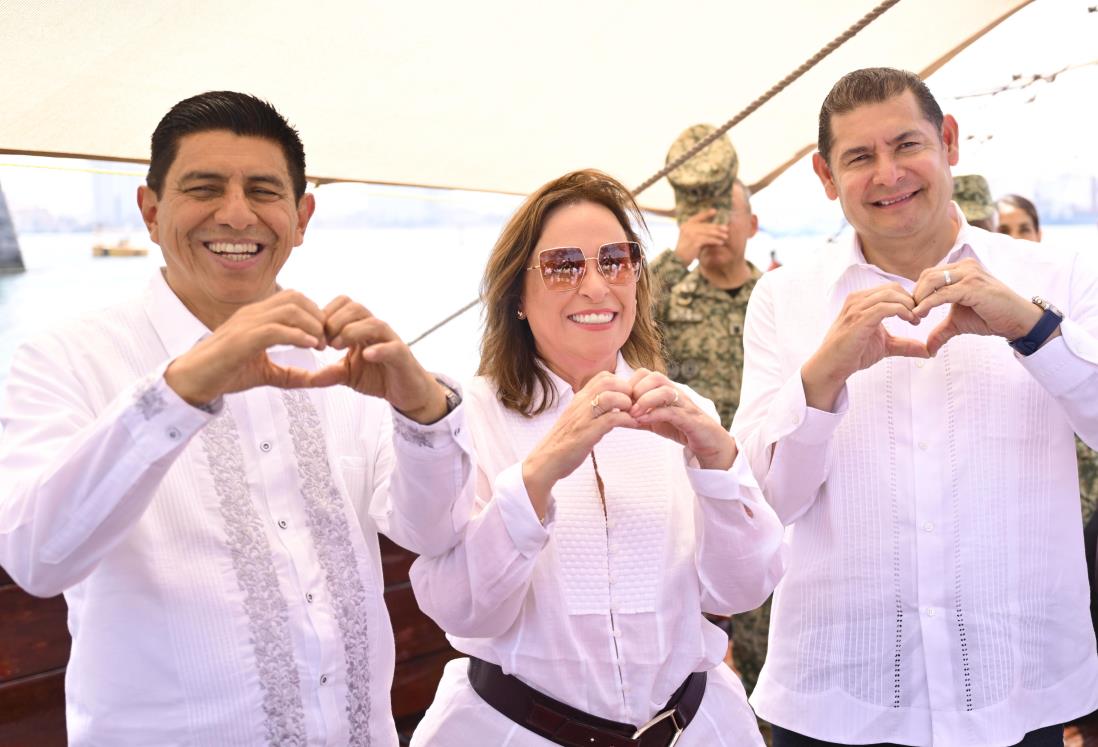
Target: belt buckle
[{"x": 670, "y": 713}]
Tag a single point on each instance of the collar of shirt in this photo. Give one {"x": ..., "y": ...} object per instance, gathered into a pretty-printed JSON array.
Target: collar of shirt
[
  {"x": 177, "y": 328},
  {"x": 854, "y": 259},
  {"x": 564, "y": 389}
]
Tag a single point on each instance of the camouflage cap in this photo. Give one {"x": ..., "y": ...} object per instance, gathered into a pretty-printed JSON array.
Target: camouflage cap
[
  {"x": 973, "y": 195},
  {"x": 705, "y": 181}
]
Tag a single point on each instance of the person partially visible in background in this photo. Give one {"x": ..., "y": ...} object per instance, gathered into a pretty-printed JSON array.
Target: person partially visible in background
[
  {"x": 1018, "y": 218},
  {"x": 973, "y": 195}
]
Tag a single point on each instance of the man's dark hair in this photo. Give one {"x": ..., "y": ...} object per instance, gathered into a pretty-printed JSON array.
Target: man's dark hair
[
  {"x": 873, "y": 85},
  {"x": 240, "y": 114}
]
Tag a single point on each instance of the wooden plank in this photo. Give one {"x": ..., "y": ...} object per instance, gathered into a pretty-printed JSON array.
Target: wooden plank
[
  {"x": 415, "y": 682},
  {"x": 416, "y": 634},
  {"x": 32, "y": 711},
  {"x": 34, "y": 636},
  {"x": 395, "y": 561}
]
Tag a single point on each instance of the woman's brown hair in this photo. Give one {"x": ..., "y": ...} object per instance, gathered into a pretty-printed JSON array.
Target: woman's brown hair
[{"x": 508, "y": 354}]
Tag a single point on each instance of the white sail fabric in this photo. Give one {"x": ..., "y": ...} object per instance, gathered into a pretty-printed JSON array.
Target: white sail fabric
[{"x": 496, "y": 95}]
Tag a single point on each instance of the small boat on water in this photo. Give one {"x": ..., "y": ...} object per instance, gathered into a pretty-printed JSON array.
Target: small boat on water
[{"x": 120, "y": 248}]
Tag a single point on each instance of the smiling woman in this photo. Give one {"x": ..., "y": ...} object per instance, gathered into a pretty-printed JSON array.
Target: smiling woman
[{"x": 610, "y": 507}]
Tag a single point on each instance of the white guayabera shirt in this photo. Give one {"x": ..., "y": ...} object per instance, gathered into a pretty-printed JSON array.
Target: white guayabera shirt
[
  {"x": 936, "y": 591},
  {"x": 222, "y": 570},
  {"x": 602, "y": 611}
]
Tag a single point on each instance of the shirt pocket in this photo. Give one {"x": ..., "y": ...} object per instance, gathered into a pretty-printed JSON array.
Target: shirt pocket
[{"x": 353, "y": 475}]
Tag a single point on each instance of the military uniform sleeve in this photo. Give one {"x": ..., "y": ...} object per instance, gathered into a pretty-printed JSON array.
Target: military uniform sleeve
[{"x": 667, "y": 269}]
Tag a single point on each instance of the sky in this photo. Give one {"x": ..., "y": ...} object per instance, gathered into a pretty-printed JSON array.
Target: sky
[{"x": 1038, "y": 140}]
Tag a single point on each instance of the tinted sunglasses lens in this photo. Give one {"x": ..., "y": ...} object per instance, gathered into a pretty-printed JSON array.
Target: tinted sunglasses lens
[
  {"x": 620, "y": 262},
  {"x": 562, "y": 269}
]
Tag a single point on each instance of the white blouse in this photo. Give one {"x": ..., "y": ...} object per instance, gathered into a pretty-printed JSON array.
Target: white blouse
[{"x": 600, "y": 611}]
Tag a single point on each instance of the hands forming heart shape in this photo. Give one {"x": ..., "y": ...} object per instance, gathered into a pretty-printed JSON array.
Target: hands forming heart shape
[
  {"x": 647, "y": 400},
  {"x": 377, "y": 362},
  {"x": 980, "y": 305}
]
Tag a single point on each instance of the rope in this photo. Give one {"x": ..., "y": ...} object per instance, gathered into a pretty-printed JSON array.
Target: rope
[
  {"x": 773, "y": 91},
  {"x": 447, "y": 320}
]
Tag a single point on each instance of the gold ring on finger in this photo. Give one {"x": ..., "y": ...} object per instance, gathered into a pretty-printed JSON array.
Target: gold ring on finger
[{"x": 595, "y": 406}]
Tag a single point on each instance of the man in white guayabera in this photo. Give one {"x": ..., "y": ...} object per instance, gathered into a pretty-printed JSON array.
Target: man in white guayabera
[
  {"x": 204, "y": 470},
  {"x": 909, "y": 403}
]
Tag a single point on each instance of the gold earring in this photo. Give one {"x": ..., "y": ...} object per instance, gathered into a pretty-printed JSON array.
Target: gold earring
[{"x": 520, "y": 314}]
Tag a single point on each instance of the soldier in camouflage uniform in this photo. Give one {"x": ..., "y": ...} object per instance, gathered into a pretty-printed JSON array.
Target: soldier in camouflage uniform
[
  {"x": 1088, "y": 478},
  {"x": 973, "y": 195},
  {"x": 701, "y": 311}
]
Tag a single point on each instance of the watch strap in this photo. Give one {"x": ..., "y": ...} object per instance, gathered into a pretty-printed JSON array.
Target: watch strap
[{"x": 1029, "y": 343}]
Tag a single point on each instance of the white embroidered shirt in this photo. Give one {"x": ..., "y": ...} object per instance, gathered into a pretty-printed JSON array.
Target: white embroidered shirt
[
  {"x": 221, "y": 570},
  {"x": 936, "y": 591}
]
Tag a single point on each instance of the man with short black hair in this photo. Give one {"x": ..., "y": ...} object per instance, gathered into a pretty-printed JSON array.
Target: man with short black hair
[
  {"x": 207, "y": 487},
  {"x": 909, "y": 405}
]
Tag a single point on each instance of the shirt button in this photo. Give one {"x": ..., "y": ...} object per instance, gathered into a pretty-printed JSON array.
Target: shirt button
[
  {"x": 920, "y": 364},
  {"x": 930, "y": 612},
  {"x": 928, "y": 526},
  {"x": 324, "y": 679},
  {"x": 282, "y": 524},
  {"x": 457, "y": 431},
  {"x": 265, "y": 446},
  {"x": 922, "y": 446},
  {"x": 174, "y": 434},
  {"x": 309, "y": 597},
  {"x": 796, "y": 419}
]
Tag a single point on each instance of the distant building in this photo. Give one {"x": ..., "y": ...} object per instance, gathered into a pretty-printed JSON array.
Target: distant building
[
  {"x": 114, "y": 197},
  {"x": 10, "y": 258}
]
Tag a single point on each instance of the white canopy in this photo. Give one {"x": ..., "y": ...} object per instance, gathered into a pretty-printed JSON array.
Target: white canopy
[{"x": 495, "y": 95}]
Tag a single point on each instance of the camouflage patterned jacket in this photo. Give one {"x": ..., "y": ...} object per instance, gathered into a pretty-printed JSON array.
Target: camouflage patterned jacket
[{"x": 702, "y": 330}]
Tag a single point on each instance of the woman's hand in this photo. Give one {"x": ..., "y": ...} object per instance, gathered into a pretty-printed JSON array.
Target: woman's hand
[
  {"x": 659, "y": 407},
  {"x": 600, "y": 406}
]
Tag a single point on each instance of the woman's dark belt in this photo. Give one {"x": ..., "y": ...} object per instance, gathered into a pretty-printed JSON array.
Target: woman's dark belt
[{"x": 563, "y": 724}]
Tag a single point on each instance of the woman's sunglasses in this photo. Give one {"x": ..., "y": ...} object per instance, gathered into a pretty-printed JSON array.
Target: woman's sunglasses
[{"x": 563, "y": 269}]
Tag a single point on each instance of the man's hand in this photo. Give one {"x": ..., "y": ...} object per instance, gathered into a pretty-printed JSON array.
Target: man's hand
[
  {"x": 857, "y": 340},
  {"x": 378, "y": 363},
  {"x": 698, "y": 232},
  {"x": 234, "y": 358},
  {"x": 981, "y": 304}
]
